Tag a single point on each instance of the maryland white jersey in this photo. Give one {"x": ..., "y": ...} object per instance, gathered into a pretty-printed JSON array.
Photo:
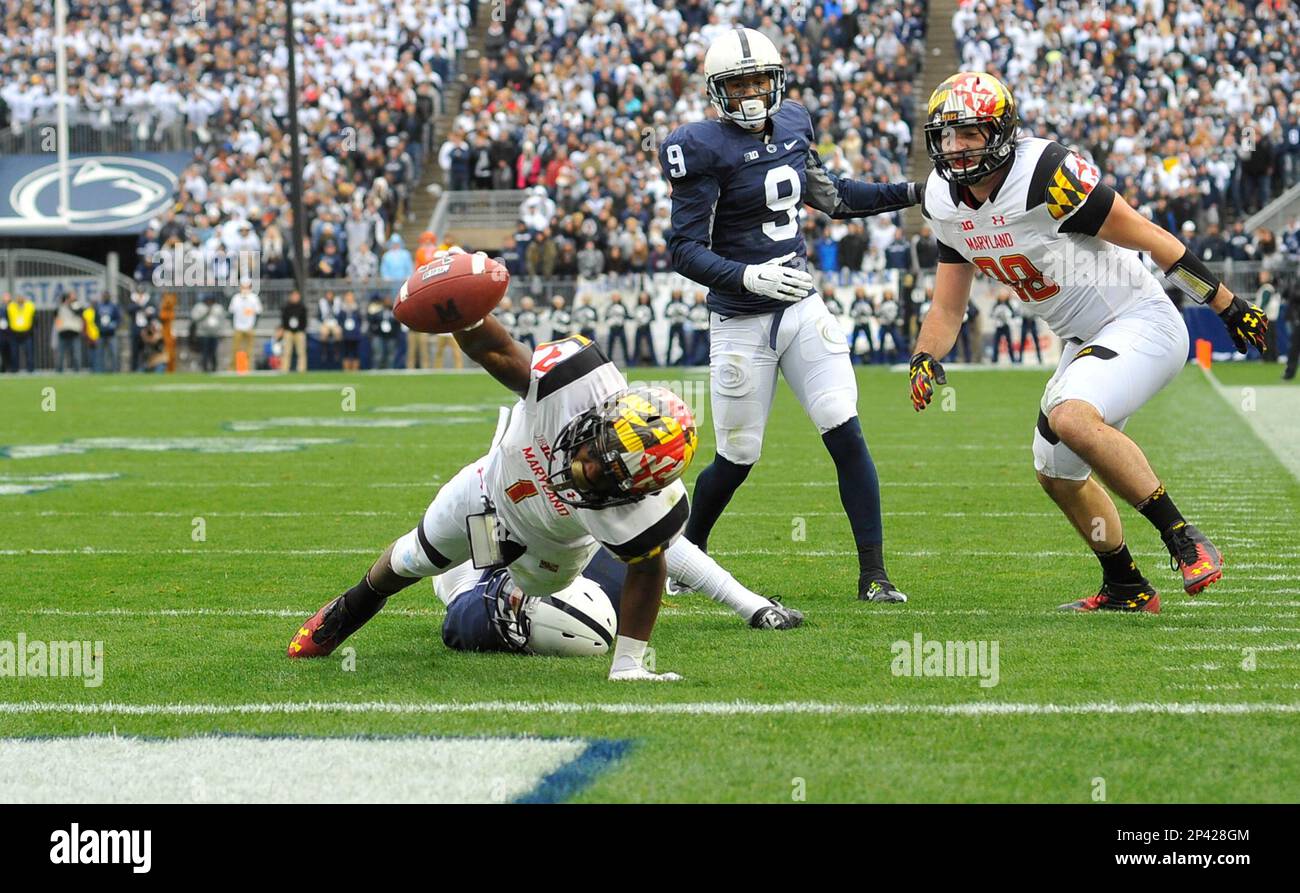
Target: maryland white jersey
[
  {"x": 570, "y": 376},
  {"x": 1037, "y": 235}
]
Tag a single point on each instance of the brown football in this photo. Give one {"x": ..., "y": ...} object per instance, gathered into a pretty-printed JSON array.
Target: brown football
[{"x": 454, "y": 291}]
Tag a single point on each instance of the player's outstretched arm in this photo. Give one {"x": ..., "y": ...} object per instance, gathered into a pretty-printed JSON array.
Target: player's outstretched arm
[
  {"x": 939, "y": 332},
  {"x": 1125, "y": 227},
  {"x": 841, "y": 197},
  {"x": 505, "y": 359}
]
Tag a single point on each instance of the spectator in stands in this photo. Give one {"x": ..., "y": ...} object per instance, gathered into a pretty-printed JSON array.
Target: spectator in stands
[
  {"x": 380, "y": 326},
  {"x": 166, "y": 318},
  {"x": 1269, "y": 298},
  {"x": 1003, "y": 316},
  {"x": 108, "y": 319},
  {"x": 616, "y": 321},
  {"x": 155, "y": 350},
  {"x": 427, "y": 249},
  {"x": 329, "y": 263},
  {"x": 353, "y": 331},
  {"x": 861, "y": 311},
  {"x": 526, "y": 321},
  {"x": 700, "y": 320},
  {"x": 852, "y": 251},
  {"x": 889, "y": 317},
  {"x": 677, "y": 312},
  {"x": 561, "y": 321},
  {"x": 396, "y": 266},
  {"x": 364, "y": 264},
  {"x": 68, "y": 327},
  {"x": 454, "y": 159},
  {"x": 292, "y": 334},
  {"x": 1292, "y": 313},
  {"x": 22, "y": 319},
  {"x": 329, "y": 331},
  {"x": 542, "y": 255},
  {"x": 209, "y": 321},
  {"x": 245, "y": 308},
  {"x": 643, "y": 347},
  {"x": 585, "y": 317},
  {"x": 7, "y": 363},
  {"x": 143, "y": 312}
]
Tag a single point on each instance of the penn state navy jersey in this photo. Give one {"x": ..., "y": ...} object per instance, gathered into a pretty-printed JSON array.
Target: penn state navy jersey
[{"x": 738, "y": 198}]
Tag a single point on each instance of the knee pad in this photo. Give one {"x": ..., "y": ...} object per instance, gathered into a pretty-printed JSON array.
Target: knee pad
[
  {"x": 831, "y": 409},
  {"x": 738, "y": 416}
]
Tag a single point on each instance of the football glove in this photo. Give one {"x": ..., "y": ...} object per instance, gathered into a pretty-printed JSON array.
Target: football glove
[
  {"x": 1246, "y": 323},
  {"x": 926, "y": 372},
  {"x": 772, "y": 280}
]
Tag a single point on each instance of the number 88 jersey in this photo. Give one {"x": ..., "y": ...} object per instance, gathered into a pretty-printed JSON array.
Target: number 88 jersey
[{"x": 1036, "y": 234}]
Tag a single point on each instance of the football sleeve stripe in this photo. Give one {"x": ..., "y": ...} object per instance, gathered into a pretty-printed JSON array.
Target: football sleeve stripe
[
  {"x": 1048, "y": 163},
  {"x": 567, "y": 371},
  {"x": 656, "y": 537},
  {"x": 1092, "y": 213}
]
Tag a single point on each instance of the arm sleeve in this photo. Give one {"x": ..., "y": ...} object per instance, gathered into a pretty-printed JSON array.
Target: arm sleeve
[
  {"x": 841, "y": 197},
  {"x": 695, "y": 196}
]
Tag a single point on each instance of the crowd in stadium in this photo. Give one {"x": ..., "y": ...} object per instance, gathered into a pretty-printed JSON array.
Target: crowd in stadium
[
  {"x": 370, "y": 80},
  {"x": 570, "y": 101},
  {"x": 1190, "y": 107},
  {"x": 1186, "y": 106}
]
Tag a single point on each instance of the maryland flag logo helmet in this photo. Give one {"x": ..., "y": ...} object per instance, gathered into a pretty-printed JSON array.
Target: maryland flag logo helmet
[
  {"x": 643, "y": 439},
  {"x": 971, "y": 99}
]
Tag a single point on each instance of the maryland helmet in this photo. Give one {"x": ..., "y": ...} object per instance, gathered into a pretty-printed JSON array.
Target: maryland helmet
[
  {"x": 971, "y": 99},
  {"x": 643, "y": 439},
  {"x": 739, "y": 53}
]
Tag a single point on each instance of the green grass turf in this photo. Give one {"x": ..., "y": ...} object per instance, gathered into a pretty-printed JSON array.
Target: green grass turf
[{"x": 970, "y": 537}]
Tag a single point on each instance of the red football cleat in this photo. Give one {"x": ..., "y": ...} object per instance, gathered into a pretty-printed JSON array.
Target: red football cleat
[
  {"x": 1191, "y": 552},
  {"x": 318, "y": 636},
  {"x": 1133, "y": 598}
]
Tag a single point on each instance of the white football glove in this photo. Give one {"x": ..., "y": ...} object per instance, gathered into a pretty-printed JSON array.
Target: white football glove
[{"x": 771, "y": 280}]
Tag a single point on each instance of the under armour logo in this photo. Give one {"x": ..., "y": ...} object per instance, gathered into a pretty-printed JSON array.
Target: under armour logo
[{"x": 999, "y": 220}]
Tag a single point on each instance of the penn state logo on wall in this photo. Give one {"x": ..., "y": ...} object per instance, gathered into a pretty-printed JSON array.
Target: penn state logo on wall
[{"x": 106, "y": 193}]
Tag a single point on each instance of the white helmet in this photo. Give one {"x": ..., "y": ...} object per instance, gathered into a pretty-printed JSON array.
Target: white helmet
[
  {"x": 744, "y": 51},
  {"x": 576, "y": 621}
]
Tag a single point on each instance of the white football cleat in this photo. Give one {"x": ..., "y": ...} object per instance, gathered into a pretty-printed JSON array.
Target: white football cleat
[{"x": 641, "y": 674}]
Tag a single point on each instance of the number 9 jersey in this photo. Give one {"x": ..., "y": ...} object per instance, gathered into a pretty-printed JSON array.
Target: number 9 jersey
[
  {"x": 738, "y": 195},
  {"x": 1037, "y": 234}
]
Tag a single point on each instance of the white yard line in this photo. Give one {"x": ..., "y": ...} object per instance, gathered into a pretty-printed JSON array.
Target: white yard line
[
  {"x": 1275, "y": 418},
  {"x": 697, "y": 708}
]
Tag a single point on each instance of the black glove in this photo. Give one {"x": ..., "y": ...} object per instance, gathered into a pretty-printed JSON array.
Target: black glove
[
  {"x": 926, "y": 372},
  {"x": 1246, "y": 323}
]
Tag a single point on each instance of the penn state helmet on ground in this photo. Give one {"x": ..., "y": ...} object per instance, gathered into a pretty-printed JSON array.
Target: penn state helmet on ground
[{"x": 578, "y": 620}]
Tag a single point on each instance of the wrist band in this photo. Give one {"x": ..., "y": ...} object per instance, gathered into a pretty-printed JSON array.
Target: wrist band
[{"x": 1192, "y": 277}]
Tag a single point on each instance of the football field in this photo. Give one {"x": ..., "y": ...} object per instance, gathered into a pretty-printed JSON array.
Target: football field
[{"x": 189, "y": 523}]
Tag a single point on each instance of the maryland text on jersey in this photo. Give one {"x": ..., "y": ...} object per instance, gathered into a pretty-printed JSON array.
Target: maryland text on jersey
[{"x": 1036, "y": 234}]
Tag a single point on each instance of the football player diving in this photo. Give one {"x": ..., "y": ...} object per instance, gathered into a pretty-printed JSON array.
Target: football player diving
[
  {"x": 1035, "y": 216},
  {"x": 581, "y": 461},
  {"x": 739, "y": 183}
]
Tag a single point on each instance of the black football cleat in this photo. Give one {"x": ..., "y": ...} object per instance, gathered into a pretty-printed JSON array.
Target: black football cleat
[
  {"x": 776, "y": 616},
  {"x": 881, "y": 591},
  {"x": 1133, "y": 598},
  {"x": 1191, "y": 552},
  {"x": 319, "y": 636}
]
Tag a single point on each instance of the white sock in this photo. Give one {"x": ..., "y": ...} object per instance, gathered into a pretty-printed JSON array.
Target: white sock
[
  {"x": 628, "y": 654},
  {"x": 697, "y": 571}
]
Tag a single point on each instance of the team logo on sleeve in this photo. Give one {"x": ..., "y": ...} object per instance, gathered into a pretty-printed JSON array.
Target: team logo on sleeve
[{"x": 1070, "y": 185}]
